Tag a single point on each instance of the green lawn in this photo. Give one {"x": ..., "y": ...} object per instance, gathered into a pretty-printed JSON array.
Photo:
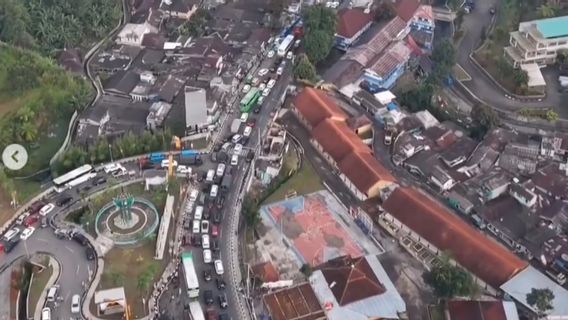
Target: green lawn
[
  {"x": 37, "y": 287},
  {"x": 305, "y": 181},
  {"x": 124, "y": 267}
]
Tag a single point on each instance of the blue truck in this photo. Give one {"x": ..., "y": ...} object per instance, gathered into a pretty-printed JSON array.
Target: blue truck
[{"x": 190, "y": 157}]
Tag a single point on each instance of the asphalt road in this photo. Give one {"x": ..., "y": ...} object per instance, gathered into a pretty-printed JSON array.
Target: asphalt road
[
  {"x": 484, "y": 87},
  {"x": 173, "y": 300}
]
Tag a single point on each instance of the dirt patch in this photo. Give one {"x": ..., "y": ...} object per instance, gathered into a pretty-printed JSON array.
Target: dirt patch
[
  {"x": 333, "y": 241},
  {"x": 290, "y": 227}
]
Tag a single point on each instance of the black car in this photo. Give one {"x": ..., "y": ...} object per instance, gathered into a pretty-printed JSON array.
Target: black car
[
  {"x": 223, "y": 301},
  {"x": 80, "y": 239},
  {"x": 63, "y": 201},
  {"x": 10, "y": 245},
  {"x": 196, "y": 240},
  {"x": 90, "y": 253},
  {"x": 84, "y": 189},
  {"x": 217, "y": 217},
  {"x": 208, "y": 297},
  {"x": 250, "y": 156},
  {"x": 256, "y": 110},
  {"x": 220, "y": 283},
  {"x": 224, "y": 316},
  {"x": 215, "y": 246},
  {"x": 99, "y": 181},
  {"x": 207, "y": 275},
  {"x": 220, "y": 201}
]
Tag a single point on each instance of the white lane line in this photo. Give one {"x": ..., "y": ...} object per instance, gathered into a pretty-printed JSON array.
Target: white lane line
[
  {"x": 71, "y": 250},
  {"x": 42, "y": 240},
  {"x": 77, "y": 271}
]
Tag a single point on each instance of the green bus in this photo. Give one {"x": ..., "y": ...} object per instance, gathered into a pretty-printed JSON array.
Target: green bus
[{"x": 249, "y": 100}]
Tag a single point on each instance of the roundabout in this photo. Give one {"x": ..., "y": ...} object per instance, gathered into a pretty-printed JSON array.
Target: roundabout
[{"x": 127, "y": 220}]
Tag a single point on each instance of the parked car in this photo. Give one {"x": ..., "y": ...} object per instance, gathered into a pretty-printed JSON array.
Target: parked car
[
  {"x": 207, "y": 257},
  {"x": 223, "y": 301},
  {"x": 90, "y": 253},
  {"x": 22, "y": 217},
  {"x": 219, "y": 267},
  {"x": 31, "y": 220},
  {"x": 215, "y": 245},
  {"x": 256, "y": 110},
  {"x": 215, "y": 230},
  {"x": 27, "y": 233},
  {"x": 208, "y": 297},
  {"x": 238, "y": 149},
  {"x": 246, "y": 88},
  {"x": 220, "y": 283},
  {"x": 271, "y": 83},
  {"x": 99, "y": 181},
  {"x": 63, "y": 201},
  {"x": 262, "y": 72},
  {"x": 270, "y": 54},
  {"x": 76, "y": 304},
  {"x": 46, "y": 209},
  {"x": 79, "y": 238},
  {"x": 207, "y": 275},
  {"x": 266, "y": 92}
]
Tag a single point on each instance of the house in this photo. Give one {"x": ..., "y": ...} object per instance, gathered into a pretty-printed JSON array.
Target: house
[
  {"x": 121, "y": 83},
  {"x": 132, "y": 34},
  {"x": 356, "y": 289},
  {"x": 202, "y": 107},
  {"x": 459, "y": 202},
  {"x": 389, "y": 67},
  {"x": 116, "y": 60},
  {"x": 422, "y": 26},
  {"x": 428, "y": 222},
  {"x": 441, "y": 178},
  {"x": 298, "y": 302},
  {"x": 340, "y": 145},
  {"x": 550, "y": 147},
  {"x": 110, "y": 301},
  {"x": 351, "y": 24},
  {"x": 481, "y": 310},
  {"x": 169, "y": 88},
  {"x": 181, "y": 9},
  {"x": 494, "y": 185},
  {"x": 552, "y": 180},
  {"x": 523, "y": 195},
  {"x": 157, "y": 115}
]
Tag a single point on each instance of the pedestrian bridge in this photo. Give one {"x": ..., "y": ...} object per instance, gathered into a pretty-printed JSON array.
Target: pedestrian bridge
[{"x": 443, "y": 14}]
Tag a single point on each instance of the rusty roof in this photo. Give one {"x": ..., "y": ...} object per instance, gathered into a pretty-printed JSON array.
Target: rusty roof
[
  {"x": 476, "y": 310},
  {"x": 351, "y": 21},
  {"x": 316, "y": 106},
  {"x": 296, "y": 303},
  {"x": 364, "y": 170},
  {"x": 266, "y": 272},
  {"x": 486, "y": 259},
  {"x": 338, "y": 140},
  {"x": 350, "y": 279}
]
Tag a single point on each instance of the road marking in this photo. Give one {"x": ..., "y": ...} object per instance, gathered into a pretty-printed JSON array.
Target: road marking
[
  {"x": 71, "y": 250},
  {"x": 77, "y": 272},
  {"x": 42, "y": 240}
]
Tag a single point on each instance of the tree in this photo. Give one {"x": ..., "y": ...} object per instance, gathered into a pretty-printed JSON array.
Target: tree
[
  {"x": 484, "y": 119},
  {"x": 444, "y": 58},
  {"x": 306, "y": 269},
  {"x": 320, "y": 32},
  {"x": 385, "y": 12},
  {"x": 304, "y": 69},
  {"x": 276, "y": 7},
  {"x": 541, "y": 300},
  {"x": 418, "y": 99},
  {"x": 548, "y": 11},
  {"x": 454, "y": 5},
  {"x": 450, "y": 281},
  {"x": 250, "y": 211}
]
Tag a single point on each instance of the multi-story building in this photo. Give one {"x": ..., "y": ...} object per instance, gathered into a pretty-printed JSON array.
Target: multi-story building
[{"x": 538, "y": 41}]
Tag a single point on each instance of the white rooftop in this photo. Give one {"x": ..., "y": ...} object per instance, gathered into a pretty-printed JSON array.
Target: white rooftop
[
  {"x": 388, "y": 305},
  {"x": 520, "y": 285},
  {"x": 385, "y": 97},
  {"x": 427, "y": 119},
  {"x": 535, "y": 76},
  {"x": 109, "y": 295}
]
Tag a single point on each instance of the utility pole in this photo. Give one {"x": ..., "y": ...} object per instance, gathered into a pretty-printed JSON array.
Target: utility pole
[{"x": 110, "y": 152}]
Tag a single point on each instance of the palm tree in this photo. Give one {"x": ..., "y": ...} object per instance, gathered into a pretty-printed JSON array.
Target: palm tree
[{"x": 547, "y": 11}]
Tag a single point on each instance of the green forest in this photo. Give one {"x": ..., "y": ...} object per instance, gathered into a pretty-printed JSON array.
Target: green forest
[
  {"x": 50, "y": 25},
  {"x": 36, "y": 96}
]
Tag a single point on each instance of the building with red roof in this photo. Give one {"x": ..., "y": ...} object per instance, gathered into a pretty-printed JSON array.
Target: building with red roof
[
  {"x": 481, "y": 310},
  {"x": 338, "y": 143},
  {"x": 351, "y": 24}
]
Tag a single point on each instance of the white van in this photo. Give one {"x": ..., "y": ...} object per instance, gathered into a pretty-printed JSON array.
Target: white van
[
  {"x": 198, "y": 213},
  {"x": 210, "y": 175},
  {"x": 112, "y": 167},
  {"x": 247, "y": 131},
  {"x": 220, "y": 169},
  {"x": 236, "y": 138},
  {"x": 11, "y": 234},
  {"x": 46, "y": 314},
  {"x": 52, "y": 294},
  {"x": 205, "y": 241},
  {"x": 244, "y": 117},
  {"x": 214, "y": 191},
  {"x": 193, "y": 195},
  {"x": 166, "y": 163},
  {"x": 196, "y": 226}
]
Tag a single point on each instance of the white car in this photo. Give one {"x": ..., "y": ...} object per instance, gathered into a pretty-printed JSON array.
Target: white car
[
  {"x": 234, "y": 160},
  {"x": 219, "y": 267},
  {"x": 270, "y": 54},
  {"x": 207, "y": 256},
  {"x": 183, "y": 170},
  {"x": 27, "y": 233},
  {"x": 205, "y": 241},
  {"x": 204, "y": 226},
  {"x": 260, "y": 100},
  {"x": 255, "y": 81},
  {"x": 193, "y": 195},
  {"x": 166, "y": 163},
  {"x": 280, "y": 71},
  {"x": 76, "y": 304},
  {"x": 46, "y": 314},
  {"x": 246, "y": 88},
  {"x": 238, "y": 149},
  {"x": 263, "y": 72},
  {"x": 271, "y": 83},
  {"x": 262, "y": 86},
  {"x": 46, "y": 209},
  {"x": 289, "y": 55},
  {"x": 266, "y": 92}
]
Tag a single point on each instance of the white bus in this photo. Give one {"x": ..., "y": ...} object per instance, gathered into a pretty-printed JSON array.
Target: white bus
[
  {"x": 196, "y": 310},
  {"x": 191, "y": 280},
  {"x": 285, "y": 45},
  {"x": 61, "y": 181},
  {"x": 81, "y": 179}
]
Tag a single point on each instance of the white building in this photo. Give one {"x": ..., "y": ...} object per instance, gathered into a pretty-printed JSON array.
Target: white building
[{"x": 132, "y": 33}]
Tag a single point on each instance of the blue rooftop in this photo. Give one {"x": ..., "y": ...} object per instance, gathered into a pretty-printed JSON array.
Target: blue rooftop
[{"x": 553, "y": 27}]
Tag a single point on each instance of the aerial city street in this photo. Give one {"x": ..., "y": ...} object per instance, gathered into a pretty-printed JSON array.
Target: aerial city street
[{"x": 283, "y": 159}]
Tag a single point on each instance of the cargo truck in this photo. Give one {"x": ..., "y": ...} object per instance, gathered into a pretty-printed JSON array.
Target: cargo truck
[
  {"x": 190, "y": 157},
  {"x": 236, "y": 125}
]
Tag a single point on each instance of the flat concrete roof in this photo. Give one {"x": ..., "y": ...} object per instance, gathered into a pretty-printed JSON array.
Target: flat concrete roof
[{"x": 553, "y": 27}]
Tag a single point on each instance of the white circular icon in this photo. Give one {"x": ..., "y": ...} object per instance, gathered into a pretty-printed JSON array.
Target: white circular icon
[{"x": 15, "y": 157}]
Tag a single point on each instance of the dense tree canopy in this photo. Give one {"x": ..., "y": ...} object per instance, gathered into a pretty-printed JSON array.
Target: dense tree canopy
[
  {"x": 304, "y": 69},
  {"x": 484, "y": 119},
  {"x": 49, "y": 25},
  {"x": 450, "y": 281},
  {"x": 319, "y": 37},
  {"x": 541, "y": 300}
]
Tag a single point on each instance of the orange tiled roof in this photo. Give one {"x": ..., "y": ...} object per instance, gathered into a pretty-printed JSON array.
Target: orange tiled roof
[
  {"x": 364, "y": 170},
  {"x": 315, "y": 106},
  {"x": 486, "y": 259},
  {"x": 338, "y": 140}
]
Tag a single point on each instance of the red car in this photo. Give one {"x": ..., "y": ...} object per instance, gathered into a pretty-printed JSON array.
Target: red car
[
  {"x": 251, "y": 122},
  {"x": 31, "y": 220},
  {"x": 215, "y": 230}
]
